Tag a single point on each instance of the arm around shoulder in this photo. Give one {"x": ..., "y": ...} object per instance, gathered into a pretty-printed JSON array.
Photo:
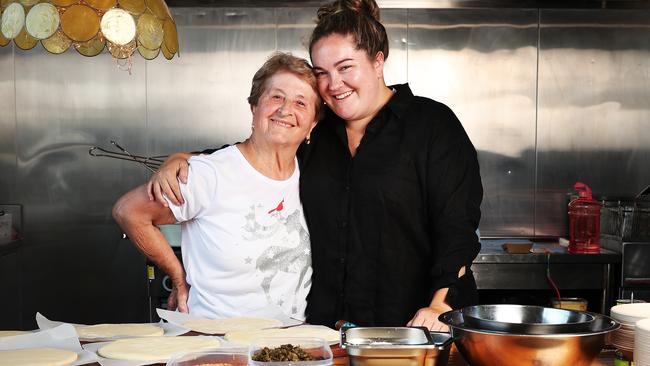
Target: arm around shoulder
[{"x": 165, "y": 181}]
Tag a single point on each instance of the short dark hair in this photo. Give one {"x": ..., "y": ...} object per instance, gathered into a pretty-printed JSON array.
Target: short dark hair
[
  {"x": 282, "y": 61},
  {"x": 358, "y": 18}
]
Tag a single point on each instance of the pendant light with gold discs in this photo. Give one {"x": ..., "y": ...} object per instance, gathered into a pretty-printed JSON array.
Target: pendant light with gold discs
[{"x": 90, "y": 26}]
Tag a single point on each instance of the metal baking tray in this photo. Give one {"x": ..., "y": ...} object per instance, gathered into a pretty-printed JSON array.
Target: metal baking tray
[{"x": 384, "y": 346}]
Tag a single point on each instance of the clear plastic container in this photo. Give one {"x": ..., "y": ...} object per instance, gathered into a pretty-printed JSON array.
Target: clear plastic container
[
  {"x": 317, "y": 347},
  {"x": 234, "y": 357}
]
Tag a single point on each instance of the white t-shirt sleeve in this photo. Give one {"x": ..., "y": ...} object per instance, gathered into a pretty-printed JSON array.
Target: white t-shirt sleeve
[{"x": 199, "y": 192}]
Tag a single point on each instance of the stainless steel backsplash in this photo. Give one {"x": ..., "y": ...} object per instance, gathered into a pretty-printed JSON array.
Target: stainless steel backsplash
[{"x": 548, "y": 97}]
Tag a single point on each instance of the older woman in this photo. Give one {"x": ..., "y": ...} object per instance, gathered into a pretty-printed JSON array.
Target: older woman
[{"x": 245, "y": 243}]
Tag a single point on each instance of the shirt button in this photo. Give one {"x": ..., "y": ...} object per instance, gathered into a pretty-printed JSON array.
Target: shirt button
[
  {"x": 342, "y": 259},
  {"x": 344, "y": 223},
  {"x": 347, "y": 188}
]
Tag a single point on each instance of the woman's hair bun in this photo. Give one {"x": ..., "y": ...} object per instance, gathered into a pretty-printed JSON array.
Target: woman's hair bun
[{"x": 368, "y": 8}]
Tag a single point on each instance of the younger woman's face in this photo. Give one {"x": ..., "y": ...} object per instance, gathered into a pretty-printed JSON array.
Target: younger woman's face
[{"x": 348, "y": 80}]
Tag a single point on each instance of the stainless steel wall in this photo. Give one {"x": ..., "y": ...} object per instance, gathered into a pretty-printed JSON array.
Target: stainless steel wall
[
  {"x": 547, "y": 96},
  {"x": 593, "y": 107}
]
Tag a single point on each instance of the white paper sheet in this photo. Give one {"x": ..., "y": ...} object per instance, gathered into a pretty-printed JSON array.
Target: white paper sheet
[
  {"x": 93, "y": 347},
  {"x": 171, "y": 330},
  {"x": 273, "y": 312},
  {"x": 63, "y": 337}
]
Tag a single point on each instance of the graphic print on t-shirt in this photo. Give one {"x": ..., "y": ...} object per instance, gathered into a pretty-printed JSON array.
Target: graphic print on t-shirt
[{"x": 288, "y": 246}]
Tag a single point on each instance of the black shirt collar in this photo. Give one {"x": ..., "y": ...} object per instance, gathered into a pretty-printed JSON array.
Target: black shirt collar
[
  {"x": 397, "y": 105},
  {"x": 401, "y": 100}
]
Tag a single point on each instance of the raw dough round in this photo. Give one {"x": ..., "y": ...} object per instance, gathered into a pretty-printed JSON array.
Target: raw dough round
[
  {"x": 37, "y": 357},
  {"x": 118, "y": 330},
  {"x": 155, "y": 348},
  {"x": 222, "y": 326},
  {"x": 309, "y": 331},
  {"x": 11, "y": 333}
]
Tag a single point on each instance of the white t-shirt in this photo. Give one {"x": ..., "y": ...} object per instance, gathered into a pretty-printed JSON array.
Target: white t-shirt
[{"x": 245, "y": 242}]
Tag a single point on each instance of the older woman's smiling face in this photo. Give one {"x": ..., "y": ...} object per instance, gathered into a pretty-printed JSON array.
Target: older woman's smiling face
[{"x": 286, "y": 111}]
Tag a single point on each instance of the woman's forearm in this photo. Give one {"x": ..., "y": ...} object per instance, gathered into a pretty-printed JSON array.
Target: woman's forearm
[{"x": 139, "y": 217}]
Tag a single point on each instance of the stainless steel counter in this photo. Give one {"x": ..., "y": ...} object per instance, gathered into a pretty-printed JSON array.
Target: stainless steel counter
[{"x": 495, "y": 269}]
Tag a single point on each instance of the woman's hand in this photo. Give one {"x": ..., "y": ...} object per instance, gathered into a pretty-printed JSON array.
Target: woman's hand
[
  {"x": 165, "y": 181},
  {"x": 428, "y": 317},
  {"x": 177, "y": 300}
]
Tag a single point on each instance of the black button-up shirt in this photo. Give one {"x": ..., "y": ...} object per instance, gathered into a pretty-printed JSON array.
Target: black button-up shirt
[{"x": 397, "y": 221}]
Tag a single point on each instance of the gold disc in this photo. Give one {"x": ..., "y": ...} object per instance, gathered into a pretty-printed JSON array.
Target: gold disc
[
  {"x": 42, "y": 21},
  {"x": 28, "y": 2},
  {"x": 118, "y": 26},
  {"x": 101, "y": 4},
  {"x": 56, "y": 44},
  {"x": 65, "y": 3},
  {"x": 171, "y": 35},
  {"x": 24, "y": 41},
  {"x": 80, "y": 23},
  {"x": 150, "y": 31},
  {"x": 122, "y": 52},
  {"x": 135, "y": 7},
  {"x": 13, "y": 20},
  {"x": 159, "y": 9},
  {"x": 168, "y": 55},
  {"x": 147, "y": 53},
  {"x": 91, "y": 48},
  {"x": 3, "y": 40}
]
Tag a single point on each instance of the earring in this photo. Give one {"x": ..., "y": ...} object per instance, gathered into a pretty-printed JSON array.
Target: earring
[{"x": 307, "y": 140}]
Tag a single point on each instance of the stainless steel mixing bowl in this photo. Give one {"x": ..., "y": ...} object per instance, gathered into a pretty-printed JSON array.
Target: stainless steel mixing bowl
[
  {"x": 526, "y": 319},
  {"x": 481, "y": 347}
]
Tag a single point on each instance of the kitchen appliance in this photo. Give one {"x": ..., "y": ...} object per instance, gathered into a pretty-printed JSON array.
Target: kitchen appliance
[
  {"x": 485, "y": 347},
  {"x": 159, "y": 284},
  {"x": 625, "y": 228},
  {"x": 384, "y": 346},
  {"x": 159, "y": 287}
]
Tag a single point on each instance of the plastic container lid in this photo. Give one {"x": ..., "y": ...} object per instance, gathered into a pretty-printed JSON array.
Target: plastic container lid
[
  {"x": 234, "y": 357},
  {"x": 315, "y": 346},
  {"x": 631, "y": 313}
]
